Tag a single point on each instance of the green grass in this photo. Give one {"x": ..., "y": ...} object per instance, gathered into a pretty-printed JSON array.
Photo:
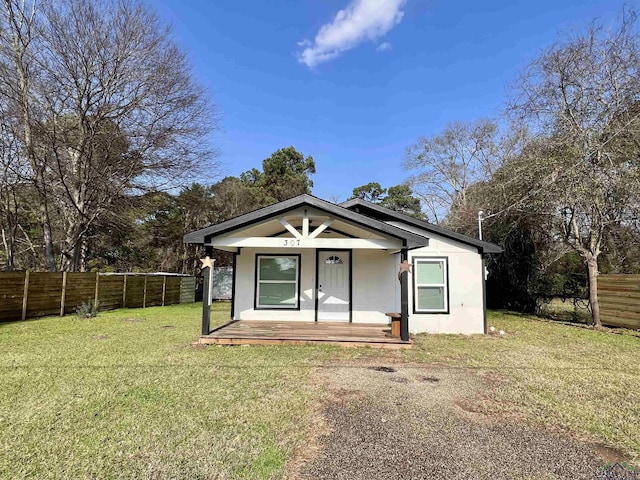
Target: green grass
[
  {"x": 565, "y": 310},
  {"x": 576, "y": 379},
  {"x": 126, "y": 395}
]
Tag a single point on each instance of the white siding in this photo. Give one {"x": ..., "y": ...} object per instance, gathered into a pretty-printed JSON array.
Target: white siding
[
  {"x": 376, "y": 289},
  {"x": 245, "y": 287},
  {"x": 466, "y": 307}
]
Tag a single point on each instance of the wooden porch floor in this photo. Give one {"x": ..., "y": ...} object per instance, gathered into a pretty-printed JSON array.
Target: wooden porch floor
[{"x": 253, "y": 332}]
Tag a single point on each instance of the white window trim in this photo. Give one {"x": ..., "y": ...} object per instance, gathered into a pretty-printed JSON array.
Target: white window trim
[
  {"x": 296, "y": 282},
  {"x": 445, "y": 285}
]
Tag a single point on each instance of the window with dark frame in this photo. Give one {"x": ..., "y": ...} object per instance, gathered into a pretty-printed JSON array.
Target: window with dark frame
[
  {"x": 277, "y": 283},
  {"x": 431, "y": 285}
]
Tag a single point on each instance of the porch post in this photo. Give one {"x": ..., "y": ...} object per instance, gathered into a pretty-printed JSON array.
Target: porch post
[
  {"x": 207, "y": 270},
  {"x": 233, "y": 284},
  {"x": 206, "y": 301},
  {"x": 484, "y": 291},
  {"x": 404, "y": 300}
]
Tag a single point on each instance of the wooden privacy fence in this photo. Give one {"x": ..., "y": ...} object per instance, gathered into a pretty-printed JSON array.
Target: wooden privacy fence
[
  {"x": 36, "y": 294},
  {"x": 619, "y": 299}
]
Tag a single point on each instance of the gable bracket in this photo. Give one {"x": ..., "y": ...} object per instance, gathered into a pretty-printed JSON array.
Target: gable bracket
[
  {"x": 321, "y": 228},
  {"x": 290, "y": 227}
]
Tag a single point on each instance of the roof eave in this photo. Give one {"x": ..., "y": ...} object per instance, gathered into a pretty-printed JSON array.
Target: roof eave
[
  {"x": 482, "y": 246},
  {"x": 199, "y": 237}
]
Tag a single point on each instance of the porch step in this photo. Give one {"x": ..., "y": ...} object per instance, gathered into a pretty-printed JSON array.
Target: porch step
[{"x": 247, "y": 332}]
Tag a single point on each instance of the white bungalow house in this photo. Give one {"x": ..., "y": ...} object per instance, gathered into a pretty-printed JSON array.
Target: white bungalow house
[{"x": 309, "y": 260}]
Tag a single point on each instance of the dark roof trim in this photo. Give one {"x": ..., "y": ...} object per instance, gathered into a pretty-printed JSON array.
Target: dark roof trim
[
  {"x": 201, "y": 237},
  {"x": 379, "y": 211}
]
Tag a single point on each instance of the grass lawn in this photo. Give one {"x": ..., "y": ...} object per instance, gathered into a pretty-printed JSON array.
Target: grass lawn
[
  {"x": 565, "y": 310},
  {"x": 564, "y": 376},
  {"x": 125, "y": 395}
]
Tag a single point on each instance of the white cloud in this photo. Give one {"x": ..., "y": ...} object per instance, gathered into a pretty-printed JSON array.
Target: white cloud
[
  {"x": 360, "y": 21},
  {"x": 383, "y": 47}
]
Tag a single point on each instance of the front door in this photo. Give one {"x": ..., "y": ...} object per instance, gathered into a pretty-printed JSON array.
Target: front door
[{"x": 334, "y": 285}]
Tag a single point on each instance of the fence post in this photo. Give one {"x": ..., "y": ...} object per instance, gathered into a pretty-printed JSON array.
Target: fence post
[
  {"x": 144, "y": 295},
  {"x": 124, "y": 292},
  {"x": 24, "y": 295},
  {"x": 164, "y": 287},
  {"x": 63, "y": 297},
  {"x": 95, "y": 299}
]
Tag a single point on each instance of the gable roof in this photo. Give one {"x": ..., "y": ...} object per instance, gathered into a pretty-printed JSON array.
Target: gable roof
[
  {"x": 203, "y": 236},
  {"x": 383, "y": 214}
]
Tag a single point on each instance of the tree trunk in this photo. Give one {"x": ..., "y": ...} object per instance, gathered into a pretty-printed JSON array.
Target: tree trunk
[
  {"x": 20, "y": 35},
  {"x": 8, "y": 246},
  {"x": 73, "y": 254},
  {"x": 48, "y": 247},
  {"x": 77, "y": 261},
  {"x": 50, "y": 256},
  {"x": 592, "y": 269},
  {"x": 184, "y": 259},
  {"x": 70, "y": 255},
  {"x": 82, "y": 258},
  {"x": 77, "y": 251}
]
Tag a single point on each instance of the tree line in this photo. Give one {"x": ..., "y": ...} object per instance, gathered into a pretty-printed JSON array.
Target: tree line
[
  {"x": 98, "y": 106},
  {"x": 558, "y": 176},
  {"x": 143, "y": 231},
  {"x": 101, "y": 127}
]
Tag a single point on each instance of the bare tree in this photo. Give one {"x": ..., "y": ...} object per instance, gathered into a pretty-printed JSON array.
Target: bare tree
[
  {"x": 446, "y": 165},
  {"x": 113, "y": 108},
  {"x": 9, "y": 181},
  {"x": 17, "y": 36},
  {"x": 581, "y": 99}
]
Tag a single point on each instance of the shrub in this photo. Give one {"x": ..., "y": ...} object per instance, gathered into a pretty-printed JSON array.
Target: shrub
[{"x": 87, "y": 310}]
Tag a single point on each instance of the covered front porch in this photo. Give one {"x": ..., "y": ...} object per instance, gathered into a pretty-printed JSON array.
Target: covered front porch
[
  {"x": 310, "y": 271},
  {"x": 269, "y": 332}
]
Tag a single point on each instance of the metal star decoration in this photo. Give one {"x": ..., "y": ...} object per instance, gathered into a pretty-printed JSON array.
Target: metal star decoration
[
  {"x": 405, "y": 266},
  {"x": 207, "y": 262}
]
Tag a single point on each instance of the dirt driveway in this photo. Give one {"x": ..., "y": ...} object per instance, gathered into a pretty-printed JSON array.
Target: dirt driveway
[{"x": 420, "y": 422}]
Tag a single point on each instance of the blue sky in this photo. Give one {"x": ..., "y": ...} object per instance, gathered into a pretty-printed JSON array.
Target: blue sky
[{"x": 355, "y": 82}]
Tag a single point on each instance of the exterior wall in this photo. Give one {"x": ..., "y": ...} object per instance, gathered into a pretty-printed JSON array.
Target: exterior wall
[
  {"x": 376, "y": 289},
  {"x": 245, "y": 286},
  {"x": 466, "y": 301}
]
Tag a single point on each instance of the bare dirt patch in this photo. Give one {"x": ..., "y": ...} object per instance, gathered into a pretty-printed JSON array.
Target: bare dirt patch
[
  {"x": 610, "y": 455},
  {"x": 429, "y": 422}
]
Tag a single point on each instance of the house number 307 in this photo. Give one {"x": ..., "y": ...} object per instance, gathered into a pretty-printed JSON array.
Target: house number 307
[{"x": 291, "y": 243}]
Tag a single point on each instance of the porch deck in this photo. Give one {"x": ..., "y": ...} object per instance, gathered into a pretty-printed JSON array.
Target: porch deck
[{"x": 253, "y": 332}]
